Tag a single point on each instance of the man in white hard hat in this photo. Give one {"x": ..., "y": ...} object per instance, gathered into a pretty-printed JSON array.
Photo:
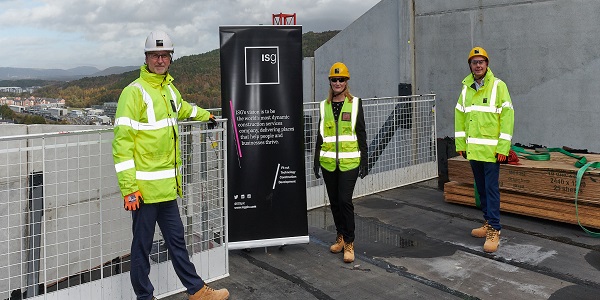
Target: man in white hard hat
[{"x": 148, "y": 161}]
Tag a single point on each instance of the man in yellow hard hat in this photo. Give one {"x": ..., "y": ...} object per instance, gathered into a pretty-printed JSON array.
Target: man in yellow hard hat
[{"x": 484, "y": 123}]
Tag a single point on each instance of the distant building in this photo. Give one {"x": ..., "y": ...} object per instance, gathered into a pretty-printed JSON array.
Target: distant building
[
  {"x": 32, "y": 101},
  {"x": 57, "y": 112},
  {"x": 110, "y": 109},
  {"x": 94, "y": 112},
  {"x": 7, "y": 101},
  {"x": 75, "y": 113},
  {"x": 11, "y": 89},
  {"x": 17, "y": 108},
  {"x": 17, "y": 89},
  {"x": 104, "y": 120}
]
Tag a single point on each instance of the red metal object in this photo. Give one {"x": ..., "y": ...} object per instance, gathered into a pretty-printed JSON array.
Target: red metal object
[{"x": 284, "y": 19}]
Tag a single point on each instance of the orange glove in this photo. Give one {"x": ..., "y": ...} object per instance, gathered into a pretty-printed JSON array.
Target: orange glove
[
  {"x": 501, "y": 157},
  {"x": 133, "y": 200},
  {"x": 212, "y": 122}
]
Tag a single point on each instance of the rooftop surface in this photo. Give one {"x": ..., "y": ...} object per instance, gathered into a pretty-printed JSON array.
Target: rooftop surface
[{"x": 410, "y": 244}]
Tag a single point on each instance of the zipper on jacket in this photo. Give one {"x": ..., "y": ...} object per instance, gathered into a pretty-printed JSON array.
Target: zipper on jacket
[
  {"x": 175, "y": 113},
  {"x": 337, "y": 159}
]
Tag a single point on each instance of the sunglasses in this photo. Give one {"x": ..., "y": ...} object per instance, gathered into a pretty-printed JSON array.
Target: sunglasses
[
  {"x": 477, "y": 62},
  {"x": 340, "y": 79}
]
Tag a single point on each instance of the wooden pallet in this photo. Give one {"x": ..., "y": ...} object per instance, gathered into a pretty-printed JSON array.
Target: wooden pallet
[
  {"x": 555, "y": 178},
  {"x": 556, "y": 209}
]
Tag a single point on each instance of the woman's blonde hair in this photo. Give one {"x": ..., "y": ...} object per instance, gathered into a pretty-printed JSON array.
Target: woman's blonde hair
[{"x": 346, "y": 93}]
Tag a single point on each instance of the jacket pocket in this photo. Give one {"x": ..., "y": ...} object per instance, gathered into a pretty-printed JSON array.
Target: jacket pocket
[
  {"x": 328, "y": 147},
  {"x": 345, "y": 128},
  {"x": 489, "y": 126},
  {"x": 349, "y": 147},
  {"x": 157, "y": 160}
]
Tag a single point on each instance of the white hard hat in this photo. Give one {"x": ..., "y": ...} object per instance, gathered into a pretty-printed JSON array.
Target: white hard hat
[{"x": 158, "y": 41}]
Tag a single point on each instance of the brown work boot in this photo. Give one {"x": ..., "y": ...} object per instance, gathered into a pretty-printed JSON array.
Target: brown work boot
[
  {"x": 492, "y": 240},
  {"x": 481, "y": 232},
  {"x": 207, "y": 293},
  {"x": 339, "y": 244},
  {"x": 349, "y": 252}
]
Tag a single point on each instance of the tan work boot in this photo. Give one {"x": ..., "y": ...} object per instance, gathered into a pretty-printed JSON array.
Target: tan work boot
[
  {"x": 349, "y": 252},
  {"x": 339, "y": 244},
  {"x": 207, "y": 293},
  {"x": 481, "y": 232},
  {"x": 492, "y": 240}
]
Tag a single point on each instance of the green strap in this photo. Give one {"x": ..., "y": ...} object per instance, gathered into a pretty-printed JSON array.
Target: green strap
[
  {"x": 545, "y": 155},
  {"x": 579, "y": 176},
  {"x": 581, "y": 163},
  {"x": 530, "y": 155}
]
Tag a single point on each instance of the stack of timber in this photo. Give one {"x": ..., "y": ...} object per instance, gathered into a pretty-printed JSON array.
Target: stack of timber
[{"x": 543, "y": 189}]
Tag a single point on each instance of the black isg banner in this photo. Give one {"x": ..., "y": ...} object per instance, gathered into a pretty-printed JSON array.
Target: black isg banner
[{"x": 261, "y": 96}]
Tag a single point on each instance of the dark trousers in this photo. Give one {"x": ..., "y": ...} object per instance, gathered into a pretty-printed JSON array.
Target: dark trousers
[
  {"x": 486, "y": 178},
  {"x": 340, "y": 186},
  {"x": 166, "y": 214}
]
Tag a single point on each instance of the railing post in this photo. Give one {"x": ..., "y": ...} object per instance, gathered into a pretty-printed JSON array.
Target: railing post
[{"x": 36, "y": 211}]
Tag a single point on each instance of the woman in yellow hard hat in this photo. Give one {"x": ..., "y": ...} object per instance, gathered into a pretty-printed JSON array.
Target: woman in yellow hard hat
[{"x": 341, "y": 154}]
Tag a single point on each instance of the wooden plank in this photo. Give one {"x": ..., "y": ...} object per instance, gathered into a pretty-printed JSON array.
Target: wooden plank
[
  {"x": 587, "y": 221},
  {"x": 534, "y": 202},
  {"x": 561, "y": 211},
  {"x": 536, "y": 178}
]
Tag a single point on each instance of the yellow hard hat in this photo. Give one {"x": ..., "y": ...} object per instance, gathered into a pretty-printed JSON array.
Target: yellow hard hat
[
  {"x": 339, "y": 70},
  {"x": 478, "y": 51}
]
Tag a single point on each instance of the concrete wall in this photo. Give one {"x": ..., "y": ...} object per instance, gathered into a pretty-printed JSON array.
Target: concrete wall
[
  {"x": 78, "y": 175},
  {"x": 12, "y": 214},
  {"x": 547, "y": 52},
  {"x": 308, "y": 79},
  {"x": 375, "y": 50},
  {"x": 84, "y": 224}
]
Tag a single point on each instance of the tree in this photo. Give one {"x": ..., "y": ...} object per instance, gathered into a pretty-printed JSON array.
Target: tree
[
  {"x": 29, "y": 119},
  {"x": 6, "y": 112}
]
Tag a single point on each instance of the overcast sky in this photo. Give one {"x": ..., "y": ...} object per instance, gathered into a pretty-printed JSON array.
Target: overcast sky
[{"x": 103, "y": 33}]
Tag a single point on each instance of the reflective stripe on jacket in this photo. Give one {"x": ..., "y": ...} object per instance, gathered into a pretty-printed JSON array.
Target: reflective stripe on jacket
[
  {"x": 146, "y": 146},
  {"x": 484, "y": 119},
  {"x": 340, "y": 143}
]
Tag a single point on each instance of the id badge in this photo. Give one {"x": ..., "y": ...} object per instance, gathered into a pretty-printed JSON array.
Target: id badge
[{"x": 346, "y": 116}]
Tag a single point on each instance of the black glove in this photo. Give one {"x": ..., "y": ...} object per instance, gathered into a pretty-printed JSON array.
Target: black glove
[
  {"x": 316, "y": 170},
  {"x": 212, "y": 122},
  {"x": 363, "y": 171}
]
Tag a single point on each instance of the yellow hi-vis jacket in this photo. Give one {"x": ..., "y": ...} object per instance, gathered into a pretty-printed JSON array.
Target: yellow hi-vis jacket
[
  {"x": 340, "y": 143},
  {"x": 484, "y": 119},
  {"x": 146, "y": 138}
]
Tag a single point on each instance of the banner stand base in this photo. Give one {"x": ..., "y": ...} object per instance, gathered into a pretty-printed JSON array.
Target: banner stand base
[{"x": 268, "y": 242}]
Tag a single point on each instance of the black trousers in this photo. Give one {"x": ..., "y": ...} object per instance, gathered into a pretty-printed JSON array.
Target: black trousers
[{"x": 340, "y": 186}]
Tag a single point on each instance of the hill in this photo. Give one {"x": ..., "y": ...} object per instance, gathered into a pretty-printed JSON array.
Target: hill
[
  {"x": 114, "y": 70},
  {"x": 15, "y": 74},
  {"x": 198, "y": 78}
]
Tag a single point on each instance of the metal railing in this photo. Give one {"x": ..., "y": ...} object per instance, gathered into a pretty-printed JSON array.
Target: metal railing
[
  {"x": 401, "y": 134},
  {"x": 64, "y": 233}
]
